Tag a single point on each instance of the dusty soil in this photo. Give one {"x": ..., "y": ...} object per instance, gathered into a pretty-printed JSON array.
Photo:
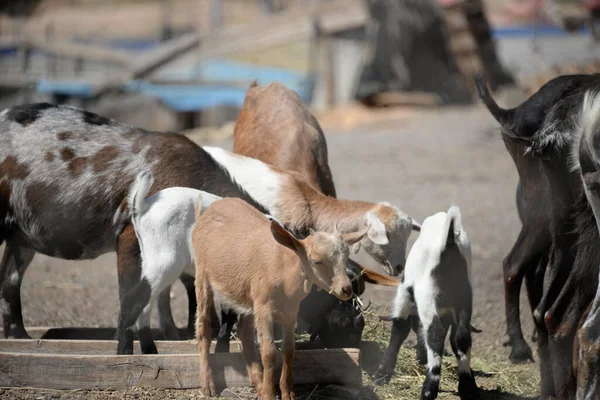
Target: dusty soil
[{"x": 422, "y": 164}]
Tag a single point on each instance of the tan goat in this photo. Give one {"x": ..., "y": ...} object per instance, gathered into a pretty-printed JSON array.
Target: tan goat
[
  {"x": 255, "y": 266},
  {"x": 275, "y": 127}
]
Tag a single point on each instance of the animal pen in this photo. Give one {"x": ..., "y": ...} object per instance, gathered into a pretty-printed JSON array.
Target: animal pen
[{"x": 194, "y": 73}]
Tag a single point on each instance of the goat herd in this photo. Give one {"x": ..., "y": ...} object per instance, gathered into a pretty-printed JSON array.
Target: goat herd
[{"x": 260, "y": 234}]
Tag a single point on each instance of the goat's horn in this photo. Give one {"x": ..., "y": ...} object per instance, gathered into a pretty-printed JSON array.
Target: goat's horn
[{"x": 416, "y": 226}]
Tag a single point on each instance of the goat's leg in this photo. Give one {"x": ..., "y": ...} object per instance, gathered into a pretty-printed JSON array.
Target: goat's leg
[
  {"x": 246, "y": 328},
  {"x": 435, "y": 333},
  {"x": 286, "y": 383},
  {"x": 534, "y": 283},
  {"x": 588, "y": 371},
  {"x": 15, "y": 261},
  {"x": 165, "y": 317},
  {"x": 557, "y": 273},
  {"x": 387, "y": 365},
  {"x": 134, "y": 292},
  {"x": 147, "y": 344},
  {"x": 523, "y": 257},
  {"x": 134, "y": 298},
  {"x": 400, "y": 329},
  {"x": 228, "y": 319},
  {"x": 460, "y": 340},
  {"x": 264, "y": 325},
  {"x": 204, "y": 298},
  {"x": 546, "y": 373},
  {"x": 190, "y": 288},
  {"x": 418, "y": 330}
]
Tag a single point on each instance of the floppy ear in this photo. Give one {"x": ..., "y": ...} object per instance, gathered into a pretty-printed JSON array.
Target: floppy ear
[
  {"x": 354, "y": 237},
  {"x": 377, "y": 232},
  {"x": 416, "y": 226},
  {"x": 284, "y": 237}
]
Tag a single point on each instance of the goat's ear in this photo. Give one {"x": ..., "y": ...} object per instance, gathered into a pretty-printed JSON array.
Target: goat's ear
[
  {"x": 355, "y": 237},
  {"x": 284, "y": 237},
  {"x": 377, "y": 231}
]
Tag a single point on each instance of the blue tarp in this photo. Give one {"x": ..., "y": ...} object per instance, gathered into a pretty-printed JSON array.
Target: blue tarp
[{"x": 198, "y": 97}]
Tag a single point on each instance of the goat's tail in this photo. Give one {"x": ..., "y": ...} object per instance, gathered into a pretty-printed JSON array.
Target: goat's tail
[
  {"x": 588, "y": 129},
  {"x": 137, "y": 194},
  {"x": 455, "y": 221},
  {"x": 500, "y": 114}
]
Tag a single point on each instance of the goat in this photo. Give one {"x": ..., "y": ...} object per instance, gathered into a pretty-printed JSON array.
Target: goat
[
  {"x": 64, "y": 177},
  {"x": 537, "y": 118},
  {"x": 254, "y": 265},
  {"x": 275, "y": 127},
  {"x": 163, "y": 226},
  {"x": 437, "y": 284},
  {"x": 544, "y": 128}
]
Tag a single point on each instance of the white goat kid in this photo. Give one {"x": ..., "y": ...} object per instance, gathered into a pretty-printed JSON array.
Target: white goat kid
[
  {"x": 163, "y": 225},
  {"x": 437, "y": 287}
]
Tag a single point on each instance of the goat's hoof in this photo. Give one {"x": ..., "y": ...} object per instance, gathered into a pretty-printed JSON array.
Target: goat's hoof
[
  {"x": 521, "y": 354},
  {"x": 17, "y": 333},
  {"x": 383, "y": 375},
  {"x": 288, "y": 395},
  {"x": 467, "y": 389},
  {"x": 208, "y": 389}
]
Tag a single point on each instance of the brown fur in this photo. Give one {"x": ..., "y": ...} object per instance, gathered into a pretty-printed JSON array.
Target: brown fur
[
  {"x": 64, "y": 135},
  {"x": 11, "y": 169},
  {"x": 263, "y": 272},
  {"x": 275, "y": 127},
  {"x": 379, "y": 278}
]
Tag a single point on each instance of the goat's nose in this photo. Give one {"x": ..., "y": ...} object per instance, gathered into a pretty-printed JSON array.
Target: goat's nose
[{"x": 347, "y": 290}]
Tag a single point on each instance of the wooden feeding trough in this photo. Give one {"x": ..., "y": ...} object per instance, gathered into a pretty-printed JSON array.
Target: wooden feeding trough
[{"x": 92, "y": 364}]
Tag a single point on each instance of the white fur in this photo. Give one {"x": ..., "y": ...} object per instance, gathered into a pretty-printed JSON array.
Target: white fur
[
  {"x": 163, "y": 225},
  {"x": 258, "y": 179},
  {"x": 267, "y": 185},
  {"x": 423, "y": 259},
  {"x": 588, "y": 123}
]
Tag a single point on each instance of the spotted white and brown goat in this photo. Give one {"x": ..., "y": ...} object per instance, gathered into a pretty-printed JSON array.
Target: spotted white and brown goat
[{"x": 64, "y": 178}]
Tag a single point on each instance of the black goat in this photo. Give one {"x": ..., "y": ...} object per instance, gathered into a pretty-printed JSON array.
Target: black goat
[{"x": 538, "y": 134}]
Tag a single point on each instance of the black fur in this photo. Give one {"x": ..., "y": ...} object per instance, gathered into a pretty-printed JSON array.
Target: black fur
[
  {"x": 94, "y": 119},
  {"x": 27, "y": 114}
]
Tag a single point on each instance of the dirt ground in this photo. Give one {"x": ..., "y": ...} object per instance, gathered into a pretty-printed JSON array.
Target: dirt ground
[{"x": 422, "y": 164}]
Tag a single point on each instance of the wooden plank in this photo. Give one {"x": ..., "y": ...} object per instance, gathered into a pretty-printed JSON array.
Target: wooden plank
[
  {"x": 71, "y": 49},
  {"x": 179, "y": 371},
  {"x": 147, "y": 63},
  {"x": 109, "y": 347}
]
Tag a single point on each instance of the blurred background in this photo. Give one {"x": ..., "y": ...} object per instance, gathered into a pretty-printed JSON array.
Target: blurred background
[{"x": 185, "y": 64}]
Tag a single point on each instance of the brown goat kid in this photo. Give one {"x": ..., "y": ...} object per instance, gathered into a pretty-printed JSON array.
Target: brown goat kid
[{"x": 263, "y": 275}]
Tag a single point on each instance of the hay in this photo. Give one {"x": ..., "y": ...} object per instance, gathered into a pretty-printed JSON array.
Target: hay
[{"x": 496, "y": 377}]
